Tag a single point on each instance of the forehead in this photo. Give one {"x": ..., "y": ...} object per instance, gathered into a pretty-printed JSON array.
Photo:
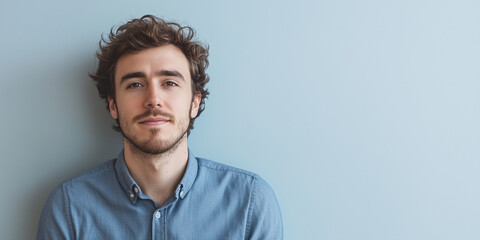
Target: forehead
[{"x": 149, "y": 61}]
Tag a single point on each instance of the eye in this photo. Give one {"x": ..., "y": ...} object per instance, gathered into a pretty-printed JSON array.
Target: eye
[
  {"x": 134, "y": 85},
  {"x": 170, "y": 84}
]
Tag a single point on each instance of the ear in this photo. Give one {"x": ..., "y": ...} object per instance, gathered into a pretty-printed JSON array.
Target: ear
[
  {"x": 195, "y": 105},
  {"x": 112, "y": 107}
]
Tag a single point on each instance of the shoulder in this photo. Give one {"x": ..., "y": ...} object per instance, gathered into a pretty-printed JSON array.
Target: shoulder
[
  {"x": 99, "y": 171},
  {"x": 217, "y": 168},
  {"x": 259, "y": 188},
  {"x": 83, "y": 181},
  {"x": 226, "y": 174},
  {"x": 212, "y": 166},
  {"x": 57, "y": 217},
  {"x": 78, "y": 187},
  {"x": 264, "y": 220},
  {"x": 93, "y": 175}
]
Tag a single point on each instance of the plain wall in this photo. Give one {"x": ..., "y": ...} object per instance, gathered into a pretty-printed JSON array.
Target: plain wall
[{"x": 362, "y": 115}]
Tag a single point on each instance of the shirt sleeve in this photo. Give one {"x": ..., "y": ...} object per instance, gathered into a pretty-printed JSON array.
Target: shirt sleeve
[
  {"x": 55, "y": 220},
  {"x": 264, "y": 217}
]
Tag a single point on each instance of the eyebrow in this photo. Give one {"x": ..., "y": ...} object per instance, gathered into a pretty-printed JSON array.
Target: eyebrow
[{"x": 164, "y": 72}]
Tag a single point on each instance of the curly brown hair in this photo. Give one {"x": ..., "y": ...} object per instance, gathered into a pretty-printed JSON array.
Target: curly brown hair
[{"x": 143, "y": 33}]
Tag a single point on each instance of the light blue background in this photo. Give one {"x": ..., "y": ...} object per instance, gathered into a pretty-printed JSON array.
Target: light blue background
[{"x": 362, "y": 115}]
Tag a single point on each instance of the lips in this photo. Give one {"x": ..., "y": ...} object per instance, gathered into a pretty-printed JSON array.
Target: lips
[{"x": 154, "y": 121}]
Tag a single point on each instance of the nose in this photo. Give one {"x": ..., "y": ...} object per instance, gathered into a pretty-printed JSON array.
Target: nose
[{"x": 153, "y": 98}]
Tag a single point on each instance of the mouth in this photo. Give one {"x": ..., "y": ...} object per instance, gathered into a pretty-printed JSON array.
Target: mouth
[{"x": 154, "y": 121}]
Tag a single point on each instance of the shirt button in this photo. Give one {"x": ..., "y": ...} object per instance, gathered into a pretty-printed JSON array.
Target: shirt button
[
  {"x": 157, "y": 215},
  {"x": 136, "y": 190},
  {"x": 181, "y": 194},
  {"x": 131, "y": 195}
]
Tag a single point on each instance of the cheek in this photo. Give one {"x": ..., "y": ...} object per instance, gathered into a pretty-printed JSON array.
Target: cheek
[
  {"x": 177, "y": 102},
  {"x": 124, "y": 108}
]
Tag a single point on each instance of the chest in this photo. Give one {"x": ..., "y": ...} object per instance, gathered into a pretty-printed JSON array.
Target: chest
[{"x": 189, "y": 218}]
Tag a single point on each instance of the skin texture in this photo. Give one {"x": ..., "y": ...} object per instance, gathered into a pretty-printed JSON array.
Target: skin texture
[{"x": 154, "y": 104}]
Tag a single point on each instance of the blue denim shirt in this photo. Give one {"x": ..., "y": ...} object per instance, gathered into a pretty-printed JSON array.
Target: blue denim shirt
[{"x": 212, "y": 201}]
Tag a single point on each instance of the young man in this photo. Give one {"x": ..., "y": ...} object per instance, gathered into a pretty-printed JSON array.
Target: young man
[{"x": 152, "y": 75}]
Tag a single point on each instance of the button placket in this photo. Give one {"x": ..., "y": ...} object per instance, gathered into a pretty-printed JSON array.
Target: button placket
[{"x": 158, "y": 226}]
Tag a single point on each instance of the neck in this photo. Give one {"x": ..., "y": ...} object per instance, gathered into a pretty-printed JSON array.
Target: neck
[{"x": 157, "y": 175}]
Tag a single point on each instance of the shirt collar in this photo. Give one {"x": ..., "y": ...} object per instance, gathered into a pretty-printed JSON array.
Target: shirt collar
[
  {"x": 189, "y": 177},
  {"x": 133, "y": 190},
  {"x": 128, "y": 184}
]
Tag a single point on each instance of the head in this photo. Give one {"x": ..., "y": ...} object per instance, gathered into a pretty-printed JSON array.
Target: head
[{"x": 145, "y": 33}]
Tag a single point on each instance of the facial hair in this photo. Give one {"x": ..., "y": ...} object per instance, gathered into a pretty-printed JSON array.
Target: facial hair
[{"x": 154, "y": 146}]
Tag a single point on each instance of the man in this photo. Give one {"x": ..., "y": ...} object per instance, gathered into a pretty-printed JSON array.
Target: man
[{"x": 152, "y": 75}]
